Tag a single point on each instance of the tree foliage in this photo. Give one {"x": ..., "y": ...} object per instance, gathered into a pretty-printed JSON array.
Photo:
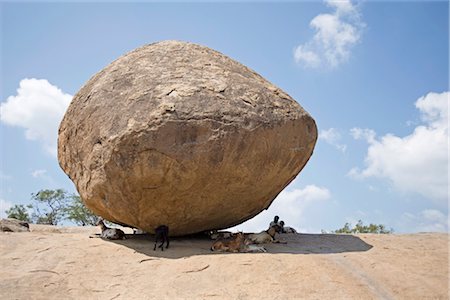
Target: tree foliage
[
  {"x": 78, "y": 213},
  {"x": 50, "y": 206},
  {"x": 361, "y": 228},
  {"x": 19, "y": 212}
]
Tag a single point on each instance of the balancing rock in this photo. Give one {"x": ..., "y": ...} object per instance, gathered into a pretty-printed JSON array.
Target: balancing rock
[{"x": 179, "y": 134}]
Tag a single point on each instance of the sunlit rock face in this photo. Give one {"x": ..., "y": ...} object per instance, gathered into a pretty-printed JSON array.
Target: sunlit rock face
[{"x": 179, "y": 134}]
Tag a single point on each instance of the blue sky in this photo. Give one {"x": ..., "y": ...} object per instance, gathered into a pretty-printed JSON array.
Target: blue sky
[{"x": 374, "y": 75}]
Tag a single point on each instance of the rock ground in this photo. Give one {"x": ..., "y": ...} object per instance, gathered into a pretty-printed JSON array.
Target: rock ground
[{"x": 63, "y": 263}]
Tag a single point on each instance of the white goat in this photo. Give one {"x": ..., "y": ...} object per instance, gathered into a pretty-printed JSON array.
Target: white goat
[
  {"x": 110, "y": 233},
  {"x": 267, "y": 236},
  {"x": 253, "y": 248},
  {"x": 214, "y": 234},
  {"x": 287, "y": 229}
]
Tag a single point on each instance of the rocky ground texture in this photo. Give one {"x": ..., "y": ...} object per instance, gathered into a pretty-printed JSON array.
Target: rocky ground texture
[{"x": 64, "y": 263}]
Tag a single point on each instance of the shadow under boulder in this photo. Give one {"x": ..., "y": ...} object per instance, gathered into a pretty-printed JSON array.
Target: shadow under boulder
[{"x": 293, "y": 243}]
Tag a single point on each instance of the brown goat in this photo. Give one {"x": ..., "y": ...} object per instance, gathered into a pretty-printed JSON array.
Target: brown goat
[{"x": 233, "y": 245}]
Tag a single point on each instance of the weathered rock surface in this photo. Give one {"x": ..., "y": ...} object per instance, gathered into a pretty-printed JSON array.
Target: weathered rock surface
[
  {"x": 13, "y": 225},
  {"x": 176, "y": 133}
]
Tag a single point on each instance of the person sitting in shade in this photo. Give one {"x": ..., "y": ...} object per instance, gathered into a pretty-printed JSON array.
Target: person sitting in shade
[
  {"x": 286, "y": 229},
  {"x": 275, "y": 221}
]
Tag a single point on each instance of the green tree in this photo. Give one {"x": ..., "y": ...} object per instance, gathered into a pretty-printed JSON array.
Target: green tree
[
  {"x": 345, "y": 229},
  {"x": 361, "y": 228},
  {"x": 78, "y": 213},
  {"x": 50, "y": 207},
  {"x": 19, "y": 212}
]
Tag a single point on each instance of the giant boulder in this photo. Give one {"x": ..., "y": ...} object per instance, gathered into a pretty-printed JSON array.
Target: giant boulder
[{"x": 179, "y": 134}]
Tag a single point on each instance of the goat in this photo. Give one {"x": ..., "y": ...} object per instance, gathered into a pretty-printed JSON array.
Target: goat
[
  {"x": 162, "y": 234},
  {"x": 253, "y": 248},
  {"x": 110, "y": 233},
  {"x": 286, "y": 229},
  {"x": 214, "y": 234},
  {"x": 266, "y": 236},
  {"x": 232, "y": 245}
]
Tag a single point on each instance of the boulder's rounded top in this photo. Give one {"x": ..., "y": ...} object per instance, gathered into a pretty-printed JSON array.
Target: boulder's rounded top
[
  {"x": 173, "y": 43},
  {"x": 186, "y": 81}
]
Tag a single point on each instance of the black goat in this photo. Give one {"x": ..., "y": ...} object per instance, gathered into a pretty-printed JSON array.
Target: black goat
[{"x": 161, "y": 234}]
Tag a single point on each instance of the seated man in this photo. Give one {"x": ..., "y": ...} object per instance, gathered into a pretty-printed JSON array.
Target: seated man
[{"x": 275, "y": 221}]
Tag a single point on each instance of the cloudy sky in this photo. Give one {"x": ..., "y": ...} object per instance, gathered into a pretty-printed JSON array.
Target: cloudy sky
[{"x": 374, "y": 75}]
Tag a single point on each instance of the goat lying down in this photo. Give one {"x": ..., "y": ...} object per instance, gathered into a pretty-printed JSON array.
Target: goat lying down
[
  {"x": 266, "y": 236},
  {"x": 253, "y": 248},
  {"x": 287, "y": 229},
  {"x": 246, "y": 243},
  {"x": 235, "y": 244},
  {"x": 214, "y": 234},
  {"x": 238, "y": 243},
  {"x": 109, "y": 233}
]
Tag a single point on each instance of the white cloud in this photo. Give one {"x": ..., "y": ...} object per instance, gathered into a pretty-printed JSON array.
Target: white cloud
[
  {"x": 428, "y": 220},
  {"x": 342, "y": 6},
  {"x": 434, "y": 108},
  {"x": 38, "y": 107},
  {"x": 417, "y": 162},
  {"x": 4, "y": 205},
  {"x": 290, "y": 206},
  {"x": 38, "y": 173},
  {"x": 366, "y": 134},
  {"x": 354, "y": 173},
  {"x": 332, "y": 137},
  {"x": 43, "y": 176},
  {"x": 372, "y": 188},
  {"x": 303, "y": 54},
  {"x": 335, "y": 35}
]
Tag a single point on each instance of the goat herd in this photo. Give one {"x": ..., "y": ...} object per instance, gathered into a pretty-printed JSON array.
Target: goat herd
[{"x": 223, "y": 241}]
